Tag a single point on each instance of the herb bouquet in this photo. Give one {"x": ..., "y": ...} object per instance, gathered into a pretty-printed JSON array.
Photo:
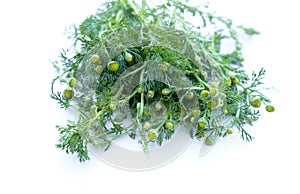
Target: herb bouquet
[{"x": 142, "y": 70}]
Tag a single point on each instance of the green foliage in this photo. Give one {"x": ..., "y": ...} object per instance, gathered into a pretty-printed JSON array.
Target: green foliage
[
  {"x": 72, "y": 142},
  {"x": 168, "y": 52}
]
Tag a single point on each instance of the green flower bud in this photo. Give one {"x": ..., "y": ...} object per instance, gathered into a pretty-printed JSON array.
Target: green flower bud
[
  {"x": 202, "y": 134},
  {"x": 68, "y": 93},
  {"x": 189, "y": 96},
  {"x": 228, "y": 82},
  {"x": 169, "y": 125},
  {"x": 128, "y": 57},
  {"x": 72, "y": 82},
  {"x": 166, "y": 91},
  {"x": 113, "y": 66},
  {"x": 255, "y": 102},
  {"x": 270, "y": 108},
  {"x": 150, "y": 94},
  {"x": 204, "y": 93},
  {"x": 211, "y": 140},
  {"x": 152, "y": 135},
  {"x": 208, "y": 141},
  {"x": 112, "y": 107},
  {"x": 139, "y": 90},
  {"x": 235, "y": 81},
  {"x": 213, "y": 84},
  {"x": 164, "y": 68},
  {"x": 213, "y": 92},
  {"x": 95, "y": 58},
  {"x": 146, "y": 126},
  {"x": 213, "y": 104},
  {"x": 99, "y": 69},
  {"x": 202, "y": 123},
  {"x": 195, "y": 112}
]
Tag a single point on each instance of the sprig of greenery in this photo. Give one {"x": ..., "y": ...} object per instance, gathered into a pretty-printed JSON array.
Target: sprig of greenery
[
  {"x": 72, "y": 142},
  {"x": 61, "y": 99}
]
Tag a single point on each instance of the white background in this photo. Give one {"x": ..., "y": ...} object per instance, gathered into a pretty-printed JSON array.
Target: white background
[{"x": 31, "y": 34}]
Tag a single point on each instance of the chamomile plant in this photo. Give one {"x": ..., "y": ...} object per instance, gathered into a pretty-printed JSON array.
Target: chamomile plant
[{"x": 151, "y": 65}]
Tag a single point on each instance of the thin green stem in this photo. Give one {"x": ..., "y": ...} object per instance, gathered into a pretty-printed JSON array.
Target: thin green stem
[
  {"x": 201, "y": 81},
  {"x": 135, "y": 71}
]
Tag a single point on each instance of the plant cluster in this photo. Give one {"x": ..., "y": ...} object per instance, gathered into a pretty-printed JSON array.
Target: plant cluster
[{"x": 142, "y": 70}]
